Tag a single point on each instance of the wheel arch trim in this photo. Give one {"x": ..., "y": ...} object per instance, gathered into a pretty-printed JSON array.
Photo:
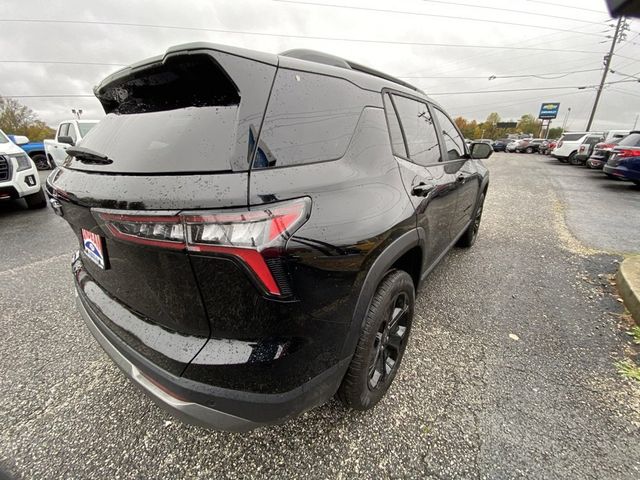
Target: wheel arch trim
[{"x": 381, "y": 265}]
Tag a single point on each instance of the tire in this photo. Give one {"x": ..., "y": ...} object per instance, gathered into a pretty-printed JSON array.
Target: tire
[
  {"x": 529, "y": 150},
  {"x": 40, "y": 159},
  {"x": 383, "y": 339},
  {"x": 36, "y": 200},
  {"x": 468, "y": 238},
  {"x": 572, "y": 159}
]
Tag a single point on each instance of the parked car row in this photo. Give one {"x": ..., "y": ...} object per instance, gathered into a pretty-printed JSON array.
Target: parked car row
[{"x": 617, "y": 152}]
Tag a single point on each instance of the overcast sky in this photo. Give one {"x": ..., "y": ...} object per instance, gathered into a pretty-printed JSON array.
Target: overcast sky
[{"x": 585, "y": 25}]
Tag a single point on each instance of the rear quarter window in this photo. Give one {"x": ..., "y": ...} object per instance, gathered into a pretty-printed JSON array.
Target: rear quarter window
[
  {"x": 572, "y": 137},
  {"x": 310, "y": 118},
  {"x": 632, "y": 140}
]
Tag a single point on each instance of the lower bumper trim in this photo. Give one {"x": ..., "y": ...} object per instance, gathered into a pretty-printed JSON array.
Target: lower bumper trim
[{"x": 189, "y": 412}]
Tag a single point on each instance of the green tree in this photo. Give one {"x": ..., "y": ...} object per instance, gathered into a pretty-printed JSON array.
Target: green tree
[
  {"x": 529, "y": 124},
  {"x": 555, "y": 132},
  {"x": 19, "y": 119}
]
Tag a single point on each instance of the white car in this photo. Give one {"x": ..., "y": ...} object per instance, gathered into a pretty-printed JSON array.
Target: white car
[
  {"x": 569, "y": 143},
  {"x": 68, "y": 134},
  {"x": 18, "y": 174}
]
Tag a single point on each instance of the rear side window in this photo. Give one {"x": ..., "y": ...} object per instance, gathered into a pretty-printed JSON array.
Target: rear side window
[
  {"x": 419, "y": 131},
  {"x": 571, "y": 137},
  {"x": 632, "y": 140},
  {"x": 310, "y": 118},
  {"x": 452, "y": 139}
]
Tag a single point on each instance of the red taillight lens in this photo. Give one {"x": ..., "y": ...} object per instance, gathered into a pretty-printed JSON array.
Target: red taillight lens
[
  {"x": 629, "y": 153},
  {"x": 249, "y": 235}
]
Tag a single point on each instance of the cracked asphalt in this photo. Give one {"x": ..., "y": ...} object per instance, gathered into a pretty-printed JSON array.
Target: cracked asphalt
[{"x": 509, "y": 372}]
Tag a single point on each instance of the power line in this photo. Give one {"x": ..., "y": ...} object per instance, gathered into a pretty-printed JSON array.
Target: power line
[
  {"x": 79, "y": 95},
  {"x": 282, "y": 35},
  {"x": 520, "y": 12},
  {"x": 540, "y": 76},
  {"x": 63, "y": 62},
  {"x": 625, "y": 92},
  {"x": 64, "y": 95},
  {"x": 580, "y": 87},
  {"x": 435, "y": 15},
  {"x": 567, "y": 6},
  {"x": 524, "y": 101}
]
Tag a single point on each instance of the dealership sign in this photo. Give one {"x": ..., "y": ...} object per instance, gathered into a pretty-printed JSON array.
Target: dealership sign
[{"x": 549, "y": 111}]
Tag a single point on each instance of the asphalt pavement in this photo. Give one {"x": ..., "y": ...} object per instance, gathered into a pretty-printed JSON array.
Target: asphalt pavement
[{"x": 510, "y": 370}]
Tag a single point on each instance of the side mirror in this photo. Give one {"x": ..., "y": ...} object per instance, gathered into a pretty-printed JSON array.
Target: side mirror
[
  {"x": 20, "y": 139},
  {"x": 480, "y": 151},
  {"x": 67, "y": 140}
]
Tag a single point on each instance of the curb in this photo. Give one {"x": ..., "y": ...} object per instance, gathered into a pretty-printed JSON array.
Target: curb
[{"x": 628, "y": 281}]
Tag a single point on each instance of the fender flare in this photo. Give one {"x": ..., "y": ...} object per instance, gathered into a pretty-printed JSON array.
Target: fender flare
[{"x": 378, "y": 269}]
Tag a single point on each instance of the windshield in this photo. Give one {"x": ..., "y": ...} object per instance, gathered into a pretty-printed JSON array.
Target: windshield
[
  {"x": 3, "y": 137},
  {"x": 85, "y": 127}
]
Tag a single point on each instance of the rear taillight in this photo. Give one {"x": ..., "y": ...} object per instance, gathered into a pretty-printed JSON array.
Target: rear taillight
[
  {"x": 602, "y": 146},
  {"x": 252, "y": 236},
  {"x": 628, "y": 153}
]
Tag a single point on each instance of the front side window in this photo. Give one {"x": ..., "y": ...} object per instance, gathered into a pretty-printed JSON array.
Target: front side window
[
  {"x": 419, "y": 131},
  {"x": 72, "y": 133},
  {"x": 452, "y": 139}
]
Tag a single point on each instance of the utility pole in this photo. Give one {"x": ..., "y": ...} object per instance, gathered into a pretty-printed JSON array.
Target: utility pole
[{"x": 607, "y": 64}]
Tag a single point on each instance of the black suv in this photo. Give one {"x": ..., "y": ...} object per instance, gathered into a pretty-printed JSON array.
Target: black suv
[{"x": 253, "y": 227}]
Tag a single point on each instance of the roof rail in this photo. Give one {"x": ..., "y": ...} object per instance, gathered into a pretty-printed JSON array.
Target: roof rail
[{"x": 328, "y": 59}]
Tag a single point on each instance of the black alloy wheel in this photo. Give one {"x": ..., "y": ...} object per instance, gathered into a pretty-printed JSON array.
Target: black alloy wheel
[
  {"x": 40, "y": 161},
  {"x": 382, "y": 342},
  {"x": 388, "y": 342}
]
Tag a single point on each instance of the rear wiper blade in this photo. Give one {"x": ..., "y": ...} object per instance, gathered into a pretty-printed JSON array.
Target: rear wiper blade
[{"x": 86, "y": 155}]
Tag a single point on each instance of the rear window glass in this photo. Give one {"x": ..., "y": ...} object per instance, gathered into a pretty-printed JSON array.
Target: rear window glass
[
  {"x": 572, "y": 137},
  {"x": 178, "y": 117},
  {"x": 184, "y": 140},
  {"x": 632, "y": 140},
  {"x": 310, "y": 118}
]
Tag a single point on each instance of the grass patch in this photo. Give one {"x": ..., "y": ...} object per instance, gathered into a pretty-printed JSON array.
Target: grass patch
[
  {"x": 628, "y": 369},
  {"x": 635, "y": 334}
]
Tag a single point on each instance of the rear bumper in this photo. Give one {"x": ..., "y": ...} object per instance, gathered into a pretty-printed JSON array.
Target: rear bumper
[
  {"x": 622, "y": 172},
  {"x": 188, "y": 412},
  {"x": 201, "y": 403}
]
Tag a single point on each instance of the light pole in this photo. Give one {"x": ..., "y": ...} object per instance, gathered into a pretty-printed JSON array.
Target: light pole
[
  {"x": 77, "y": 112},
  {"x": 566, "y": 117}
]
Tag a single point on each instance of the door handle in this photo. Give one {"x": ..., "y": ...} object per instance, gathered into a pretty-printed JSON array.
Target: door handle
[
  {"x": 461, "y": 178},
  {"x": 422, "y": 189}
]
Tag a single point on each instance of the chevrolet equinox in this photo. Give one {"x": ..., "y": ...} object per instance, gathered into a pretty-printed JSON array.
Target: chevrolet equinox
[{"x": 253, "y": 227}]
